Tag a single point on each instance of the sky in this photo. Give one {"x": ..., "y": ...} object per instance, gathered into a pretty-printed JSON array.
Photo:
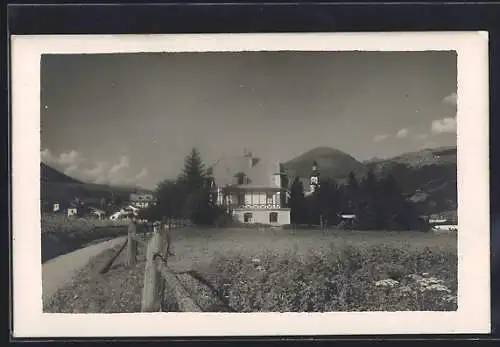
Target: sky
[{"x": 132, "y": 118}]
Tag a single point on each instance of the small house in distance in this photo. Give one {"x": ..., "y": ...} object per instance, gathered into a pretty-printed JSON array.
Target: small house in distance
[
  {"x": 347, "y": 220},
  {"x": 444, "y": 222},
  {"x": 251, "y": 189},
  {"x": 142, "y": 200}
]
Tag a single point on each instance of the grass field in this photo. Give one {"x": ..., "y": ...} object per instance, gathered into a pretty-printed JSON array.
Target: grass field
[{"x": 288, "y": 270}]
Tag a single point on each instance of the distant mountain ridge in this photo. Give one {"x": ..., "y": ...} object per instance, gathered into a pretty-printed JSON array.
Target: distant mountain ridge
[
  {"x": 427, "y": 156},
  {"x": 56, "y": 186}
]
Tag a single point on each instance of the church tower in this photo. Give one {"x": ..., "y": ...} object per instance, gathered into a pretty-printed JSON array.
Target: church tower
[{"x": 314, "y": 179}]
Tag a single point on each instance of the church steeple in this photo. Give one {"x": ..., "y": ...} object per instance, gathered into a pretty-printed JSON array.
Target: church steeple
[{"x": 314, "y": 179}]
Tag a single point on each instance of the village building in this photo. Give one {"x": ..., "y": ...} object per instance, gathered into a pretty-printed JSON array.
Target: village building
[
  {"x": 251, "y": 189},
  {"x": 97, "y": 213},
  {"x": 313, "y": 181},
  {"x": 141, "y": 200}
]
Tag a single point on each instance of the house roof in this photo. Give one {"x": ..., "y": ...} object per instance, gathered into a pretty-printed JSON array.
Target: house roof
[{"x": 259, "y": 175}]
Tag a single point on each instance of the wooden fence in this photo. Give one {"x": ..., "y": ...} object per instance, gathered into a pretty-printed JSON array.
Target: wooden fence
[{"x": 159, "y": 278}]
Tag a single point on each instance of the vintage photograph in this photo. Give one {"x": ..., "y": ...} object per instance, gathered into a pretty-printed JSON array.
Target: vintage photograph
[
  {"x": 257, "y": 181},
  {"x": 250, "y": 185}
]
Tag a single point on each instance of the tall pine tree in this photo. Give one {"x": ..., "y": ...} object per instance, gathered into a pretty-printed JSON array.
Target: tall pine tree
[
  {"x": 199, "y": 205},
  {"x": 193, "y": 175}
]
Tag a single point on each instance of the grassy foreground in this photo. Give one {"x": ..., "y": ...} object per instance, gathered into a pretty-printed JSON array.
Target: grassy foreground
[{"x": 287, "y": 271}]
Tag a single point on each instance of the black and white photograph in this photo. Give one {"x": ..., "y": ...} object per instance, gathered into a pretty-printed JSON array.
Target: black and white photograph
[{"x": 255, "y": 181}]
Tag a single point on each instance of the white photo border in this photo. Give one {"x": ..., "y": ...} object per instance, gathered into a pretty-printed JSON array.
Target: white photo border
[{"x": 473, "y": 314}]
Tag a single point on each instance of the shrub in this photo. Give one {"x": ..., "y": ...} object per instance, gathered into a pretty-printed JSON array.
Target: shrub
[
  {"x": 60, "y": 223},
  {"x": 62, "y": 234}
]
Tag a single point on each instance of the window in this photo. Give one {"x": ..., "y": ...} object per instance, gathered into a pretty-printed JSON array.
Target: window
[
  {"x": 273, "y": 217},
  {"x": 247, "y": 217},
  {"x": 269, "y": 199},
  {"x": 241, "y": 199},
  {"x": 240, "y": 177}
]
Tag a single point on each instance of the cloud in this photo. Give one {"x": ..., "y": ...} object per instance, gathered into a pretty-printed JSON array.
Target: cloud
[
  {"x": 97, "y": 174},
  {"x": 71, "y": 169},
  {"x": 70, "y": 158},
  {"x": 380, "y": 138},
  {"x": 65, "y": 160},
  {"x": 402, "y": 133},
  {"x": 140, "y": 176},
  {"x": 445, "y": 125},
  {"x": 451, "y": 99},
  {"x": 123, "y": 164},
  {"x": 74, "y": 164}
]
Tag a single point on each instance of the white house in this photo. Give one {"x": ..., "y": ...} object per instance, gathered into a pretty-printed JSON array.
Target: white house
[
  {"x": 72, "y": 211},
  {"x": 124, "y": 213},
  {"x": 251, "y": 189},
  {"x": 96, "y": 212}
]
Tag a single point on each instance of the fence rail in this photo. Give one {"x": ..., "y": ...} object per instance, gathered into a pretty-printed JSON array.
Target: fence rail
[{"x": 161, "y": 286}]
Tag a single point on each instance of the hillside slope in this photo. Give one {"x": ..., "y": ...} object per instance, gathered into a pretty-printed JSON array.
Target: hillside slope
[
  {"x": 333, "y": 163},
  {"x": 49, "y": 174},
  {"x": 428, "y": 156},
  {"x": 428, "y": 177},
  {"x": 58, "y": 187}
]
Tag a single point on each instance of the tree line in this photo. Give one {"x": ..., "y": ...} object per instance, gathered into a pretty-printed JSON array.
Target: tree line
[
  {"x": 378, "y": 203},
  {"x": 189, "y": 196}
]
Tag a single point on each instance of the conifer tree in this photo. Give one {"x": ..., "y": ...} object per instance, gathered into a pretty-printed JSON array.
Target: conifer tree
[
  {"x": 193, "y": 175},
  {"x": 199, "y": 205}
]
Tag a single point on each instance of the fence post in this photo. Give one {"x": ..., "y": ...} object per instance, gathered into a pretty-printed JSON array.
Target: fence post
[
  {"x": 152, "y": 291},
  {"x": 132, "y": 244}
]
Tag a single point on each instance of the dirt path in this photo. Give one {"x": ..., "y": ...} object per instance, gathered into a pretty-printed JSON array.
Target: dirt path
[{"x": 59, "y": 271}]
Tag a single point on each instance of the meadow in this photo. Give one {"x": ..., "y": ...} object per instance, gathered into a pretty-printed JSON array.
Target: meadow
[{"x": 266, "y": 270}]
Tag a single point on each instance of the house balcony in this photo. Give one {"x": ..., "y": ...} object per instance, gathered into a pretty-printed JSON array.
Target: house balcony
[{"x": 254, "y": 206}]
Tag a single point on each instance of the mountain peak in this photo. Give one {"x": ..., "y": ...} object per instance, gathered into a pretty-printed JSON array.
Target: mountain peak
[
  {"x": 330, "y": 162},
  {"x": 49, "y": 174}
]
